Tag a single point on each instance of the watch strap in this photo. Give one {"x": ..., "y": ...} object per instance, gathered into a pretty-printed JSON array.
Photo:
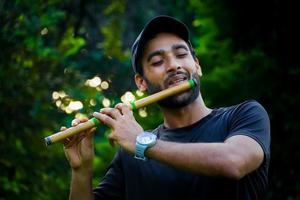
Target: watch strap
[{"x": 140, "y": 151}]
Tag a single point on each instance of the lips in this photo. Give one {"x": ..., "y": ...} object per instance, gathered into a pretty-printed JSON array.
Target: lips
[{"x": 176, "y": 80}]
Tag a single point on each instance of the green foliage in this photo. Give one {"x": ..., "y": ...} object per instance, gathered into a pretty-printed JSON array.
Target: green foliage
[
  {"x": 56, "y": 46},
  {"x": 70, "y": 45},
  {"x": 112, "y": 43}
]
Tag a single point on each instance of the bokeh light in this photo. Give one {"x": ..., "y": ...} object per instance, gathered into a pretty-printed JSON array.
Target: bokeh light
[
  {"x": 106, "y": 102},
  {"x": 92, "y": 102},
  {"x": 94, "y": 82},
  {"x": 44, "y": 31},
  {"x": 75, "y": 105},
  {"x": 139, "y": 93},
  {"x": 143, "y": 113},
  {"x": 127, "y": 97},
  {"x": 104, "y": 85}
]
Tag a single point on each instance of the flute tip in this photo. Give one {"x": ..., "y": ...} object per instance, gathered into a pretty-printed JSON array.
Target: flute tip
[{"x": 48, "y": 141}]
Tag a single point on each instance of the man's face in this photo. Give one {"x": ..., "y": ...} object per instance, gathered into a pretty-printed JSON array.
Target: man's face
[{"x": 167, "y": 62}]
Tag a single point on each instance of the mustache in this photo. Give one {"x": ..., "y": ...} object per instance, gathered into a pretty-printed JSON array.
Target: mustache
[{"x": 170, "y": 76}]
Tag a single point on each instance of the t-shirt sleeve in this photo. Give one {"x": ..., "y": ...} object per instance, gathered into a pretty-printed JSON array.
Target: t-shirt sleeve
[
  {"x": 112, "y": 184},
  {"x": 251, "y": 119}
]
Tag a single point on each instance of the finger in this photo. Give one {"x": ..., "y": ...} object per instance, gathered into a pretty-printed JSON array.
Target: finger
[
  {"x": 81, "y": 135},
  {"x": 89, "y": 135},
  {"x": 83, "y": 119},
  {"x": 118, "y": 105},
  {"x": 65, "y": 141},
  {"x": 75, "y": 122},
  {"x": 91, "y": 132},
  {"x": 124, "y": 109},
  {"x": 69, "y": 142},
  {"x": 114, "y": 113},
  {"x": 63, "y": 128},
  {"x": 87, "y": 140},
  {"x": 105, "y": 119},
  {"x": 76, "y": 139}
]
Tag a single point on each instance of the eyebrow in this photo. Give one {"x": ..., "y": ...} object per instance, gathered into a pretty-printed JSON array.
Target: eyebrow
[
  {"x": 160, "y": 51},
  {"x": 155, "y": 53},
  {"x": 179, "y": 46}
]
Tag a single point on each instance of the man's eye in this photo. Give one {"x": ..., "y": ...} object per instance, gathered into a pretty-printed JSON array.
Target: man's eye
[
  {"x": 156, "y": 63},
  {"x": 181, "y": 55}
]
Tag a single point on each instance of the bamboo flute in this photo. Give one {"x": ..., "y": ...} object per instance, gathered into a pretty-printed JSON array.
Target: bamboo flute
[{"x": 59, "y": 136}]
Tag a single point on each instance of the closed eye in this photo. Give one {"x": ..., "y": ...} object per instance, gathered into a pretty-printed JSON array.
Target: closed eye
[
  {"x": 157, "y": 63},
  {"x": 182, "y": 55}
]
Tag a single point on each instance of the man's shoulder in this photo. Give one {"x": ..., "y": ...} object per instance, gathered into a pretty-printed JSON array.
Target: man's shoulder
[
  {"x": 248, "y": 109},
  {"x": 245, "y": 103},
  {"x": 244, "y": 106}
]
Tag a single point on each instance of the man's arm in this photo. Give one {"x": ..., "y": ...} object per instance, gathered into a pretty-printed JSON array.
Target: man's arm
[
  {"x": 81, "y": 186},
  {"x": 236, "y": 157},
  {"x": 79, "y": 151}
]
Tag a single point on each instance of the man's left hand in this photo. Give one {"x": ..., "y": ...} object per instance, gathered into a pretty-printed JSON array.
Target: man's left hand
[{"x": 123, "y": 124}]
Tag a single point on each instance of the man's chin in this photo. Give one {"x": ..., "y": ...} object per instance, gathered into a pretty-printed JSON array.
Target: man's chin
[{"x": 180, "y": 100}]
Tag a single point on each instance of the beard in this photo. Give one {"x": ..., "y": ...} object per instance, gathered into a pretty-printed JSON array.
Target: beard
[{"x": 180, "y": 100}]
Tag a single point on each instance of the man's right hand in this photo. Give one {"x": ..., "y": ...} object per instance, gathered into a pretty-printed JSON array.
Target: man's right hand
[{"x": 79, "y": 149}]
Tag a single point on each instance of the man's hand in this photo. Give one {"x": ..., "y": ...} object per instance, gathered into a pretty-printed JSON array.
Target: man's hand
[
  {"x": 79, "y": 149},
  {"x": 124, "y": 126}
]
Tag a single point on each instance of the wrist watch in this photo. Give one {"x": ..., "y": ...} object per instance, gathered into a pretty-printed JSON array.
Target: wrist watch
[{"x": 143, "y": 141}]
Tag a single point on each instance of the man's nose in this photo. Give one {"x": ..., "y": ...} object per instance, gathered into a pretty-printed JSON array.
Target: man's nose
[{"x": 173, "y": 65}]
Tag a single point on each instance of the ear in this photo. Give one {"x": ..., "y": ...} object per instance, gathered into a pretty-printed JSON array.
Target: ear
[
  {"x": 140, "y": 82},
  {"x": 199, "y": 70}
]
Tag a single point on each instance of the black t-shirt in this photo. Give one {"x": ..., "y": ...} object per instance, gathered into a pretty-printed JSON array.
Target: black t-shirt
[{"x": 129, "y": 178}]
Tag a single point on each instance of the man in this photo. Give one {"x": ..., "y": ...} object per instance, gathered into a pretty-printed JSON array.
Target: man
[{"x": 197, "y": 153}]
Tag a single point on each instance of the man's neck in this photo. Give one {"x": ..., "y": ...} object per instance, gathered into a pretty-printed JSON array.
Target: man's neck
[{"x": 185, "y": 116}]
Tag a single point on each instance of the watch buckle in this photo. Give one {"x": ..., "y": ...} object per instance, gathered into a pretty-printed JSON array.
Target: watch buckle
[{"x": 140, "y": 158}]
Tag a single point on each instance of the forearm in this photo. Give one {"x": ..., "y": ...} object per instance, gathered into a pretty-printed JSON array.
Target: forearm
[
  {"x": 213, "y": 159},
  {"x": 81, "y": 186}
]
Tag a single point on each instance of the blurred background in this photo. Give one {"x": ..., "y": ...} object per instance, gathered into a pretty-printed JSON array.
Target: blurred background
[{"x": 61, "y": 59}]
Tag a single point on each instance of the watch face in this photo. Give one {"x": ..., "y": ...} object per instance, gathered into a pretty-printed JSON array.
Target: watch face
[{"x": 146, "y": 138}]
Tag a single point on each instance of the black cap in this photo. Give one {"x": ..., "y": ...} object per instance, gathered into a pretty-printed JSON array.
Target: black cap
[{"x": 157, "y": 25}]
